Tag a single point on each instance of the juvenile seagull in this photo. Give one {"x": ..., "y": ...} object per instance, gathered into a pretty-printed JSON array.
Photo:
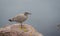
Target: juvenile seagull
[{"x": 20, "y": 18}]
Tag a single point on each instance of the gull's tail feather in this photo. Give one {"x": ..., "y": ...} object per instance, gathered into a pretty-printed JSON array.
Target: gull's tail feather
[{"x": 10, "y": 20}]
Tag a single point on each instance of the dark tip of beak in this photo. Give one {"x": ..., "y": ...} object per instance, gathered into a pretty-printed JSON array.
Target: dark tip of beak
[
  {"x": 10, "y": 20},
  {"x": 30, "y": 13}
]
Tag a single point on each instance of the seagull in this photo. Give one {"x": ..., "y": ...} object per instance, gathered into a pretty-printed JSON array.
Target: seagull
[{"x": 20, "y": 18}]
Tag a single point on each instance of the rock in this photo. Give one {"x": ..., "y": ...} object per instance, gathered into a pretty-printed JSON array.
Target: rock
[{"x": 16, "y": 30}]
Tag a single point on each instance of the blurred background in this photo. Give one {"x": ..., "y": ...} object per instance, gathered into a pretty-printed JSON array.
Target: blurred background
[{"x": 45, "y": 14}]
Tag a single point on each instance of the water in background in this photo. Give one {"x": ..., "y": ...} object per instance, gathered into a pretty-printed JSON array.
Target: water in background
[{"x": 45, "y": 14}]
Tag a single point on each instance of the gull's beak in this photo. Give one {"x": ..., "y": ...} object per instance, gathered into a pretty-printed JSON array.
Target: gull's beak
[{"x": 29, "y": 13}]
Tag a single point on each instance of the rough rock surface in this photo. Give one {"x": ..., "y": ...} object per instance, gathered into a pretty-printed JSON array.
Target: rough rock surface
[{"x": 16, "y": 30}]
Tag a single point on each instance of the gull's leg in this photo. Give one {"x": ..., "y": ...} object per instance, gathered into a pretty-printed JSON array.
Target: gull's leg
[{"x": 21, "y": 25}]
